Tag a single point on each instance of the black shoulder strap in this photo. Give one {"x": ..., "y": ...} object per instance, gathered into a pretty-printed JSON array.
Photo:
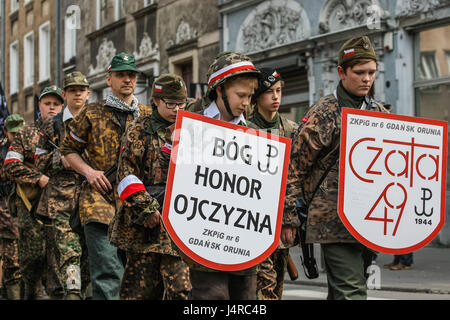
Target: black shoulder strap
[
  {"x": 122, "y": 117},
  {"x": 144, "y": 156},
  {"x": 58, "y": 125},
  {"x": 336, "y": 157}
]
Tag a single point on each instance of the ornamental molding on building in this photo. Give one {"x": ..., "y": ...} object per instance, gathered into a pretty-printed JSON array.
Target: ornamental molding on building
[
  {"x": 272, "y": 24},
  {"x": 106, "y": 51},
  {"x": 147, "y": 50},
  {"x": 184, "y": 34},
  {"x": 344, "y": 14},
  {"x": 413, "y": 7}
]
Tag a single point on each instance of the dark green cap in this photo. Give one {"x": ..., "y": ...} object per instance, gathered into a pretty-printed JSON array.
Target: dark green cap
[
  {"x": 356, "y": 48},
  {"x": 170, "y": 86},
  {"x": 75, "y": 79},
  {"x": 54, "y": 90},
  {"x": 123, "y": 62},
  {"x": 14, "y": 122}
]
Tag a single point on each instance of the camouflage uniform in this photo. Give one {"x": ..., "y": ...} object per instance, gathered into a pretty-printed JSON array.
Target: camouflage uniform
[
  {"x": 59, "y": 199},
  {"x": 19, "y": 167},
  {"x": 9, "y": 232},
  {"x": 313, "y": 151},
  {"x": 208, "y": 283},
  {"x": 272, "y": 270},
  {"x": 95, "y": 133},
  {"x": 153, "y": 264}
]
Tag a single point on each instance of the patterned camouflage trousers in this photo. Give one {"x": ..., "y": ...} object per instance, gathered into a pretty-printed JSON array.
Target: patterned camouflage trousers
[
  {"x": 50, "y": 252},
  {"x": 271, "y": 275},
  {"x": 10, "y": 256},
  {"x": 154, "y": 276}
]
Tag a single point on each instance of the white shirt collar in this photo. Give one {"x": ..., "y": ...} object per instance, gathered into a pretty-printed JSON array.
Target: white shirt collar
[
  {"x": 213, "y": 112},
  {"x": 67, "y": 114}
]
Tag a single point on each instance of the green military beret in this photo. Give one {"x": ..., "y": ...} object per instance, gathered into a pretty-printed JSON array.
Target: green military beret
[
  {"x": 14, "y": 122},
  {"x": 75, "y": 79},
  {"x": 123, "y": 62},
  {"x": 170, "y": 86},
  {"x": 54, "y": 90},
  {"x": 356, "y": 48}
]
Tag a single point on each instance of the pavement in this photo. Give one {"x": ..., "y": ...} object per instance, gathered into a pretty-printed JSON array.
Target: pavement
[{"x": 430, "y": 271}]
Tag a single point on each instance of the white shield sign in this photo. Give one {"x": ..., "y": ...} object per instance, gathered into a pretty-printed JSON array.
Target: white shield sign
[
  {"x": 392, "y": 179},
  {"x": 225, "y": 192}
]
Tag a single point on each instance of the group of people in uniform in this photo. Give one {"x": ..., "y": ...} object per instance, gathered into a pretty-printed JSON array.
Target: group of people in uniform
[{"x": 83, "y": 188}]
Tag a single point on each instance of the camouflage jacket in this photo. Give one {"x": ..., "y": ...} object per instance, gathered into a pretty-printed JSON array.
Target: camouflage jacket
[
  {"x": 60, "y": 196},
  {"x": 314, "y": 150},
  {"x": 288, "y": 128},
  {"x": 141, "y": 165},
  {"x": 19, "y": 163},
  {"x": 95, "y": 135},
  {"x": 8, "y": 224}
]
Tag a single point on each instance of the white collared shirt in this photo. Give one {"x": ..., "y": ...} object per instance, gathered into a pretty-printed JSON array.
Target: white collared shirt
[
  {"x": 67, "y": 114},
  {"x": 213, "y": 112}
]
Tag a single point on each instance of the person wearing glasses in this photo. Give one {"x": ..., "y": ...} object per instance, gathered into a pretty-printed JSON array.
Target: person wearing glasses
[{"x": 154, "y": 269}]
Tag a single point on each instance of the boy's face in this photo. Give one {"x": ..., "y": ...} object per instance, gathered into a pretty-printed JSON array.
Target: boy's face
[
  {"x": 270, "y": 100},
  {"x": 168, "y": 108},
  {"x": 358, "y": 79},
  {"x": 49, "y": 106},
  {"x": 239, "y": 94},
  {"x": 76, "y": 96}
]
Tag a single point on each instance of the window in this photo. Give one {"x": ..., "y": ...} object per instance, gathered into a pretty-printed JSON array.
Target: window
[
  {"x": 447, "y": 56},
  {"x": 148, "y": 2},
  {"x": 102, "y": 7},
  {"x": 118, "y": 10},
  {"x": 44, "y": 52},
  {"x": 428, "y": 66},
  {"x": 432, "y": 83},
  {"x": 70, "y": 38},
  {"x": 28, "y": 60},
  {"x": 14, "y": 67},
  {"x": 14, "y": 5}
]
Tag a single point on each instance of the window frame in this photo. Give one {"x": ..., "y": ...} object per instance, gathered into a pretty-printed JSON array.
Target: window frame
[
  {"x": 14, "y": 66},
  {"x": 44, "y": 59},
  {"x": 14, "y": 6},
  {"x": 28, "y": 60}
]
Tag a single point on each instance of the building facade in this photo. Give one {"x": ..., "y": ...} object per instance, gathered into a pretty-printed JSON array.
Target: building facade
[
  {"x": 164, "y": 36},
  {"x": 29, "y": 52},
  {"x": 189, "y": 40}
]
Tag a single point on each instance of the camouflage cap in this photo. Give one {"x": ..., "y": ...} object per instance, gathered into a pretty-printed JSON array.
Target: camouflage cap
[
  {"x": 170, "y": 86},
  {"x": 267, "y": 79},
  {"x": 75, "y": 79},
  {"x": 14, "y": 122},
  {"x": 229, "y": 64},
  {"x": 54, "y": 90},
  {"x": 226, "y": 65},
  {"x": 123, "y": 62},
  {"x": 356, "y": 48}
]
